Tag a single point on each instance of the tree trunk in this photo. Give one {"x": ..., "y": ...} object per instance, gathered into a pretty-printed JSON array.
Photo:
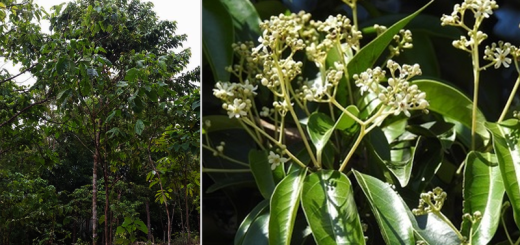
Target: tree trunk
[
  {"x": 148, "y": 220},
  {"x": 97, "y": 159},
  {"x": 107, "y": 238},
  {"x": 186, "y": 202},
  {"x": 94, "y": 197}
]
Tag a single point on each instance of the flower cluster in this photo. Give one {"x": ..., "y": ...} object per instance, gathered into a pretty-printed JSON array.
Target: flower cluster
[
  {"x": 403, "y": 41},
  {"x": 314, "y": 90},
  {"x": 499, "y": 55},
  {"x": 430, "y": 202},
  {"x": 480, "y": 8},
  {"x": 236, "y": 97},
  {"x": 399, "y": 96}
]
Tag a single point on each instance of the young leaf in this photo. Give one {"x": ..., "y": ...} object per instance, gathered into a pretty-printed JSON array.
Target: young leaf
[
  {"x": 330, "y": 209},
  {"x": 507, "y": 148},
  {"x": 284, "y": 205},
  {"x": 262, "y": 172},
  {"x": 483, "y": 192},
  {"x": 388, "y": 208},
  {"x": 368, "y": 55}
]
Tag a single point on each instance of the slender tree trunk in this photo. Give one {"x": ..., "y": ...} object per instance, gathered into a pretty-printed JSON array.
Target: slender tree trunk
[
  {"x": 94, "y": 197},
  {"x": 107, "y": 238},
  {"x": 186, "y": 202},
  {"x": 148, "y": 220},
  {"x": 97, "y": 159}
]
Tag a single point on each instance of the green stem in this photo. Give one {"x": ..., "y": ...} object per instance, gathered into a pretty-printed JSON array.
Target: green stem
[
  {"x": 476, "y": 77},
  {"x": 354, "y": 147},
  {"x": 285, "y": 92},
  {"x": 510, "y": 100},
  {"x": 504, "y": 208},
  {"x": 218, "y": 170},
  {"x": 258, "y": 142},
  {"x": 280, "y": 145},
  {"x": 219, "y": 154}
]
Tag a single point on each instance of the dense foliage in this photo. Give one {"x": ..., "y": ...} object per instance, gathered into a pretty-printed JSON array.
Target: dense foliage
[
  {"x": 103, "y": 146},
  {"x": 360, "y": 122}
]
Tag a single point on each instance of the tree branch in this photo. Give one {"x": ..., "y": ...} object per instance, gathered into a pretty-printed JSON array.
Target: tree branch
[
  {"x": 19, "y": 74},
  {"x": 21, "y": 111}
]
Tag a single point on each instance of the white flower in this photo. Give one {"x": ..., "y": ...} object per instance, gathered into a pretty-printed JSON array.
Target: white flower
[
  {"x": 501, "y": 57},
  {"x": 401, "y": 104},
  {"x": 223, "y": 89},
  {"x": 275, "y": 159},
  {"x": 483, "y": 7},
  {"x": 237, "y": 109},
  {"x": 249, "y": 88}
]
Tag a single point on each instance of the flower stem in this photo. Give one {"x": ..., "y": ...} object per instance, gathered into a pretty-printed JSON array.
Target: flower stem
[
  {"x": 510, "y": 100},
  {"x": 218, "y": 170},
  {"x": 354, "y": 147},
  {"x": 476, "y": 78}
]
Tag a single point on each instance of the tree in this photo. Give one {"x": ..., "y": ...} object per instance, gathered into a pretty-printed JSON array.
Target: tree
[{"x": 106, "y": 75}]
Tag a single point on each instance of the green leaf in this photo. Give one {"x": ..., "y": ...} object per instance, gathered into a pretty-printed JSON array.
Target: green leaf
[
  {"x": 245, "y": 19},
  {"x": 258, "y": 231},
  {"x": 86, "y": 87},
  {"x": 452, "y": 104},
  {"x": 217, "y": 37},
  {"x": 230, "y": 181},
  {"x": 320, "y": 127},
  {"x": 368, "y": 55},
  {"x": 284, "y": 205},
  {"x": 398, "y": 159},
  {"x": 483, "y": 192},
  {"x": 345, "y": 122},
  {"x": 388, "y": 209},
  {"x": 141, "y": 226},
  {"x": 62, "y": 65},
  {"x": 507, "y": 149},
  {"x": 101, "y": 219},
  {"x": 262, "y": 172},
  {"x": 132, "y": 74},
  {"x": 433, "y": 230},
  {"x": 330, "y": 209},
  {"x": 261, "y": 208},
  {"x": 139, "y": 126}
]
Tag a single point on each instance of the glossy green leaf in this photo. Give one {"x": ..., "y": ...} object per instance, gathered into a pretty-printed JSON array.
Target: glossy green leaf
[
  {"x": 139, "y": 126},
  {"x": 245, "y": 19},
  {"x": 345, "y": 122},
  {"x": 483, "y": 192},
  {"x": 258, "y": 232},
  {"x": 368, "y": 55},
  {"x": 284, "y": 205},
  {"x": 507, "y": 150},
  {"x": 398, "y": 158},
  {"x": 217, "y": 37},
  {"x": 388, "y": 209},
  {"x": 330, "y": 209},
  {"x": 320, "y": 127},
  {"x": 452, "y": 104},
  {"x": 431, "y": 229},
  {"x": 262, "y": 172},
  {"x": 261, "y": 208}
]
